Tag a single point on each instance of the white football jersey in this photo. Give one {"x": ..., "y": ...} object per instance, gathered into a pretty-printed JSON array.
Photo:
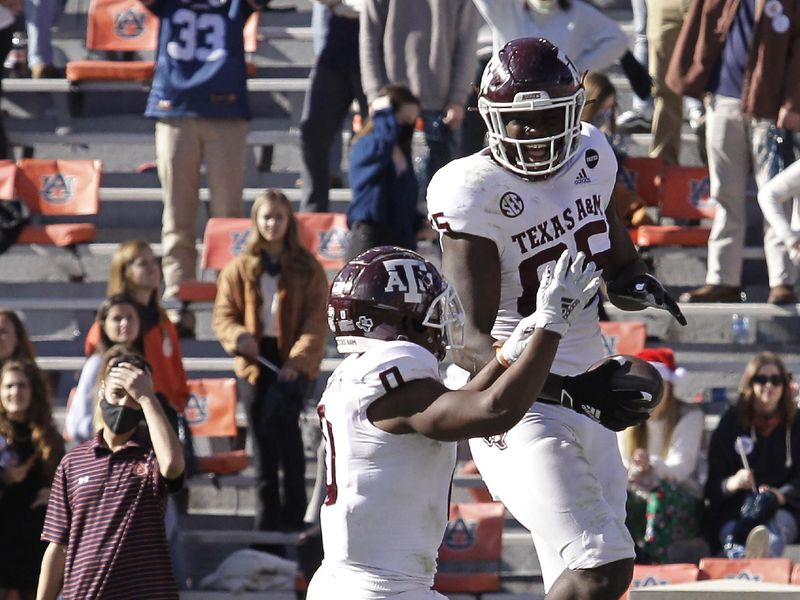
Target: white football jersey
[
  {"x": 532, "y": 223},
  {"x": 387, "y": 495}
]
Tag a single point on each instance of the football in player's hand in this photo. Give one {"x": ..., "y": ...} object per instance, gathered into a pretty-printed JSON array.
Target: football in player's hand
[{"x": 635, "y": 374}]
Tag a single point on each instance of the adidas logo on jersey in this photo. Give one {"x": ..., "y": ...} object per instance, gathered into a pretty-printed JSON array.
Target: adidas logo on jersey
[{"x": 582, "y": 177}]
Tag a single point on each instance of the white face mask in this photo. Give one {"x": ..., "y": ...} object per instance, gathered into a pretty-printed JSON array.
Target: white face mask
[{"x": 543, "y": 6}]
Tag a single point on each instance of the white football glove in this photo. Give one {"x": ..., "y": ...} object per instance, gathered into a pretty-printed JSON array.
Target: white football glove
[{"x": 561, "y": 291}]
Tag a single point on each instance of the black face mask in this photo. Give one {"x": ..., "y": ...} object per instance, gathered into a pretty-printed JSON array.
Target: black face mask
[
  {"x": 404, "y": 135},
  {"x": 120, "y": 419}
]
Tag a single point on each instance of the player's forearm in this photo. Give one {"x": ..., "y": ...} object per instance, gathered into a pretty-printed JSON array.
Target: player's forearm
[
  {"x": 167, "y": 447},
  {"x": 51, "y": 576},
  {"x": 478, "y": 351}
]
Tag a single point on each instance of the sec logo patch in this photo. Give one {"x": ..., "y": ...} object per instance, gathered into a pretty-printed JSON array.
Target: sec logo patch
[
  {"x": 511, "y": 205},
  {"x": 592, "y": 158}
]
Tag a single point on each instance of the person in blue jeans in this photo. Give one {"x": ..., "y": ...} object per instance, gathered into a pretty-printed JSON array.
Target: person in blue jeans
[{"x": 383, "y": 211}]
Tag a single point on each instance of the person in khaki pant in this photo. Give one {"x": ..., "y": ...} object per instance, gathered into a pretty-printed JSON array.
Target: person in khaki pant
[
  {"x": 199, "y": 98},
  {"x": 664, "y": 20}
]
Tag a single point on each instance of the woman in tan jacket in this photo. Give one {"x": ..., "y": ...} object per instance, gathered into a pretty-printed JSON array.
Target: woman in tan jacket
[{"x": 271, "y": 305}]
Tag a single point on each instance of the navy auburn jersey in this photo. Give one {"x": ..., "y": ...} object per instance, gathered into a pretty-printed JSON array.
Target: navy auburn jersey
[{"x": 200, "y": 66}]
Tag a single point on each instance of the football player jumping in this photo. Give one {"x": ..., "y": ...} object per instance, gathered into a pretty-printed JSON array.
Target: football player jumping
[
  {"x": 390, "y": 425},
  {"x": 543, "y": 187}
]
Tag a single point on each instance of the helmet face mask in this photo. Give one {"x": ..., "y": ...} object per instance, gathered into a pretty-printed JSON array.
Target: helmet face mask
[
  {"x": 531, "y": 99},
  {"x": 389, "y": 293}
]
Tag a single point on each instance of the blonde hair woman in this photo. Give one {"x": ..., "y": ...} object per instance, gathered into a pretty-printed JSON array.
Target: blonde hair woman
[
  {"x": 270, "y": 306},
  {"x": 661, "y": 457}
]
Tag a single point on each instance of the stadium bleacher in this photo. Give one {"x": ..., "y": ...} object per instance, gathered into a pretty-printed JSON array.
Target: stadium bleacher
[{"x": 61, "y": 119}]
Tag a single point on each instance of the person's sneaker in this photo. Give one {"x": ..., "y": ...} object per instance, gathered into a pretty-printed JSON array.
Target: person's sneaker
[
  {"x": 713, "y": 293},
  {"x": 757, "y": 544},
  {"x": 782, "y": 294},
  {"x": 43, "y": 71},
  {"x": 732, "y": 550},
  {"x": 633, "y": 121}
]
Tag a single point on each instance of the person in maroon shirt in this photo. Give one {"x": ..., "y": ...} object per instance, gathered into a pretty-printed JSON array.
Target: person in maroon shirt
[{"x": 105, "y": 517}]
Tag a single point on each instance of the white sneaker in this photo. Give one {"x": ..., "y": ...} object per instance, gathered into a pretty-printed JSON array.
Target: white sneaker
[
  {"x": 757, "y": 544},
  {"x": 634, "y": 121}
]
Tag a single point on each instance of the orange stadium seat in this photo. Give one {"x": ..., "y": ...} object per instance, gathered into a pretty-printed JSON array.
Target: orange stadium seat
[
  {"x": 770, "y": 570},
  {"x": 479, "y": 494},
  {"x": 211, "y": 412},
  {"x": 623, "y": 337},
  {"x": 324, "y": 234},
  {"x": 126, "y": 25},
  {"x": 646, "y": 173},
  {"x": 8, "y": 179},
  {"x": 685, "y": 197},
  {"x": 795, "y": 575},
  {"x": 59, "y": 190},
  {"x": 469, "y": 557},
  {"x": 652, "y": 575}
]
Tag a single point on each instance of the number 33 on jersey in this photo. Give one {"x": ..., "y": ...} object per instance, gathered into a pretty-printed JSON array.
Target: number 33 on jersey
[
  {"x": 532, "y": 223},
  {"x": 200, "y": 69}
]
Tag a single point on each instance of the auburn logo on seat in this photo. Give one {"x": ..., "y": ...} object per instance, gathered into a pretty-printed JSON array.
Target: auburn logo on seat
[
  {"x": 130, "y": 23},
  {"x": 196, "y": 410},
  {"x": 57, "y": 188},
  {"x": 239, "y": 241},
  {"x": 460, "y": 534},
  {"x": 332, "y": 244}
]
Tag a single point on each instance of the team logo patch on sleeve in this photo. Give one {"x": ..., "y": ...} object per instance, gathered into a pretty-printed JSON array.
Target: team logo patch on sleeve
[
  {"x": 592, "y": 158},
  {"x": 511, "y": 205}
]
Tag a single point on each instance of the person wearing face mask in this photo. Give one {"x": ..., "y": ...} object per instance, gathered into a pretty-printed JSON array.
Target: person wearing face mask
[
  {"x": 753, "y": 488},
  {"x": 119, "y": 324},
  {"x": 30, "y": 449},
  {"x": 270, "y": 306},
  {"x": 384, "y": 207},
  {"x": 105, "y": 519}
]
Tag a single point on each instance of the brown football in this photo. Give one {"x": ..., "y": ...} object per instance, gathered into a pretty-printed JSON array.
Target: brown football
[{"x": 636, "y": 374}]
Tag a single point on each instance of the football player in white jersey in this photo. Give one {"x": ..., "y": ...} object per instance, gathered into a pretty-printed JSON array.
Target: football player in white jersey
[
  {"x": 391, "y": 426},
  {"x": 543, "y": 187}
]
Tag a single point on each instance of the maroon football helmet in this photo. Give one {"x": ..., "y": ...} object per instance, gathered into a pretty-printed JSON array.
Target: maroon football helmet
[
  {"x": 532, "y": 75},
  {"x": 389, "y": 293}
]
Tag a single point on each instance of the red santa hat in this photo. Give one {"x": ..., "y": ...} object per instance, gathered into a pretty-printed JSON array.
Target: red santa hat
[{"x": 663, "y": 360}]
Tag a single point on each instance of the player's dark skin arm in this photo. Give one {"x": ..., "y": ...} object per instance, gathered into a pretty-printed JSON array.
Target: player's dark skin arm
[
  {"x": 624, "y": 260},
  {"x": 427, "y": 407}
]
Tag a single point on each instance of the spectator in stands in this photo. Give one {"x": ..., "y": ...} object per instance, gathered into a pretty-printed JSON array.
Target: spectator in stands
[
  {"x": 664, "y": 494},
  {"x": 773, "y": 198},
  {"x": 753, "y": 487},
  {"x": 335, "y": 81},
  {"x": 30, "y": 449},
  {"x": 640, "y": 117},
  {"x": 600, "y": 111},
  {"x": 199, "y": 101},
  {"x": 383, "y": 211},
  {"x": 119, "y": 323},
  {"x": 8, "y": 18},
  {"x": 40, "y": 18},
  {"x": 432, "y": 48},
  {"x": 592, "y": 40},
  {"x": 15, "y": 344},
  {"x": 105, "y": 519},
  {"x": 270, "y": 308},
  {"x": 664, "y": 20},
  {"x": 744, "y": 60},
  {"x": 136, "y": 273}
]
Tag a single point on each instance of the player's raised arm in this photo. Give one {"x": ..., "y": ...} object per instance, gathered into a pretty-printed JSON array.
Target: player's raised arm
[
  {"x": 472, "y": 266},
  {"x": 629, "y": 285},
  {"x": 513, "y": 378}
]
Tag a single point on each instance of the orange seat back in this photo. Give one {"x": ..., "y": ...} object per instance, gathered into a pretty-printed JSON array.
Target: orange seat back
[
  {"x": 474, "y": 534},
  {"x": 60, "y": 187},
  {"x": 686, "y": 193},
  {"x": 771, "y": 570},
  {"x": 323, "y": 234},
  {"x": 8, "y": 179},
  {"x": 326, "y": 236},
  {"x": 121, "y": 25},
  {"x": 223, "y": 240},
  {"x": 623, "y": 337},
  {"x": 652, "y": 575},
  {"x": 647, "y": 174},
  {"x": 211, "y": 409},
  {"x": 795, "y": 575}
]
